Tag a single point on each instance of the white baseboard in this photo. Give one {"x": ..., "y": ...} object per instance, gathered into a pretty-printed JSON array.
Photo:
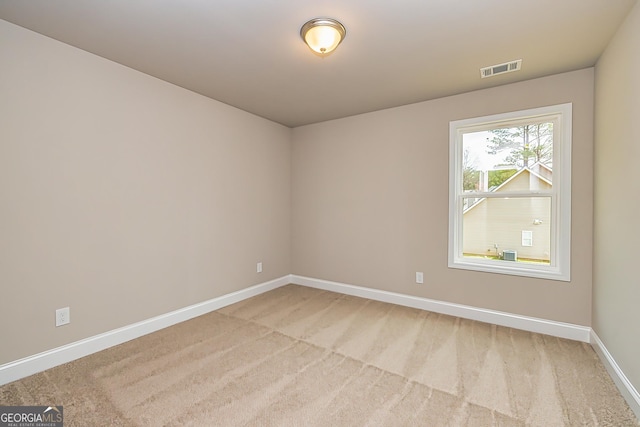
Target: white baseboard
[
  {"x": 627, "y": 389},
  {"x": 531, "y": 324},
  {"x": 21, "y": 368}
]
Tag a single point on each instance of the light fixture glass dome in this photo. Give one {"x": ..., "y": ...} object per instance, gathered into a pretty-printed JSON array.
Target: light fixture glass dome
[{"x": 323, "y": 35}]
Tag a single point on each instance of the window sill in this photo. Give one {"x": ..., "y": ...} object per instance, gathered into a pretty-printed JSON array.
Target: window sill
[{"x": 512, "y": 268}]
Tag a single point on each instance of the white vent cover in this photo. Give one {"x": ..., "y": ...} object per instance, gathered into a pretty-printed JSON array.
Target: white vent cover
[{"x": 507, "y": 67}]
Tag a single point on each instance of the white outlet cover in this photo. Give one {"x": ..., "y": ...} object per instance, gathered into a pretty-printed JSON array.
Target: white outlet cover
[
  {"x": 63, "y": 316},
  {"x": 419, "y": 277},
  {"x": 259, "y": 267}
]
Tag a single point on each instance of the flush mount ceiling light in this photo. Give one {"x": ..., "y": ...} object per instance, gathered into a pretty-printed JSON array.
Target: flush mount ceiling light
[{"x": 323, "y": 35}]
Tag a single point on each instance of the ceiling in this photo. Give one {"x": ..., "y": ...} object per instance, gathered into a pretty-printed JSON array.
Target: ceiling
[{"x": 249, "y": 54}]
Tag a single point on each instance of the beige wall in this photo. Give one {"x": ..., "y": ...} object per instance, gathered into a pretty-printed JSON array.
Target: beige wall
[
  {"x": 370, "y": 201},
  {"x": 125, "y": 197},
  {"x": 616, "y": 313}
]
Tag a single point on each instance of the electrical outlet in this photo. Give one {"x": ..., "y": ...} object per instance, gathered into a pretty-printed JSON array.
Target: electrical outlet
[
  {"x": 419, "y": 277},
  {"x": 259, "y": 267},
  {"x": 63, "y": 316}
]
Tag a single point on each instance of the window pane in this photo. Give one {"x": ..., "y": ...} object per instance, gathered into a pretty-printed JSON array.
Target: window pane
[
  {"x": 494, "y": 228},
  {"x": 491, "y": 158}
]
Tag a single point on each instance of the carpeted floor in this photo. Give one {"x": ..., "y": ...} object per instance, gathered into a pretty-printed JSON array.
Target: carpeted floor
[{"x": 297, "y": 356}]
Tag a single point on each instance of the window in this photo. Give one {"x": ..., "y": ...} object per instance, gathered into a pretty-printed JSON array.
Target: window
[{"x": 510, "y": 193}]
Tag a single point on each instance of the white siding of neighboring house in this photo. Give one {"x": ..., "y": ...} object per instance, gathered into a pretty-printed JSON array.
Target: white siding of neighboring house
[{"x": 498, "y": 221}]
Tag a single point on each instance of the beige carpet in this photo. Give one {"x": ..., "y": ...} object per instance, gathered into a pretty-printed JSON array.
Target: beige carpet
[{"x": 297, "y": 356}]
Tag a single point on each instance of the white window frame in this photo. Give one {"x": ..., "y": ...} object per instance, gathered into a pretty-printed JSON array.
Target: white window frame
[
  {"x": 527, "y": 238},
  {"x": 560, "y": 194}
]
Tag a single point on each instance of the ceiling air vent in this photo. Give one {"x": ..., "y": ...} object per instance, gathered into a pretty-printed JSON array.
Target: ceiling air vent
[{"x": 507, "y": 67}]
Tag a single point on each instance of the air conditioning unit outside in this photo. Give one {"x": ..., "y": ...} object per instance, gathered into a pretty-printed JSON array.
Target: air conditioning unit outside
[{"x": 510, "y": 255}]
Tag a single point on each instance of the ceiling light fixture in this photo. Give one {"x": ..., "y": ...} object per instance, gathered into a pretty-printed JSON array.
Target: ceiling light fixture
[{"x": 323, "y": 35}]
